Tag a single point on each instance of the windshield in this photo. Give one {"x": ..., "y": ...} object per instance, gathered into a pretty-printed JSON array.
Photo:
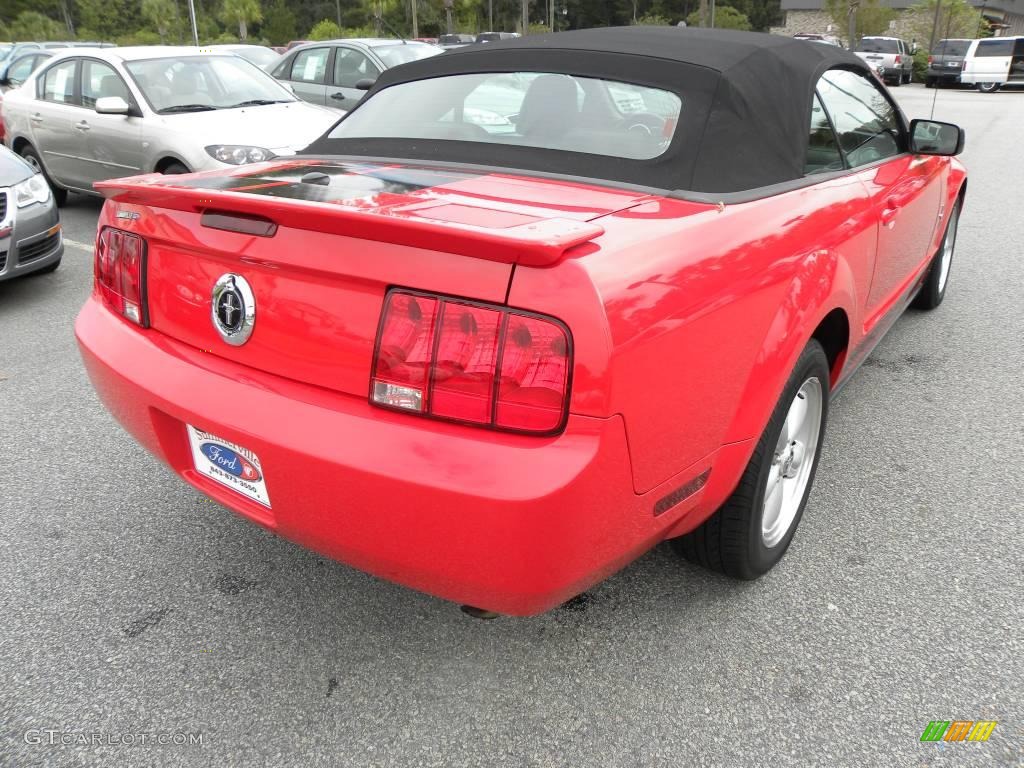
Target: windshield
[
  {"x": 526, "y": 109},
  {"x": 878, "y": 45},
  {"x": 201, "y": 83},
  {"x": 400, "y": 53},
  {"x": 952, "y": 48},
  {"x": 261, "y": 57}
]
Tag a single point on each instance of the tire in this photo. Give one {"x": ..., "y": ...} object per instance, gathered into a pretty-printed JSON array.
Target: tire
[
  {"x": 933, "y": 289},
  {"x": 30, "y": 156},
  {"x": 988, "y": 87},
  {"x": 744, "y": 539},
  {"x": 897, "y": 82},
  {"x": 174, "y": 169},
  {"x": 929, "y": 82}
]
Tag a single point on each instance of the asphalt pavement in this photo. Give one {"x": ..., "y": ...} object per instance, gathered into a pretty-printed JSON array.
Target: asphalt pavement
[{"x": 130, "y": 604}]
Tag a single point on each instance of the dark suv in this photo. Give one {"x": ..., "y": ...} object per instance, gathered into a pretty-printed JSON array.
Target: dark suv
[{"x": 946, "y": 63}]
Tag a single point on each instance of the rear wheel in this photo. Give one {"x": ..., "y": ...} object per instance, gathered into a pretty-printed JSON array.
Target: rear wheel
[
  {"x": 988, "y": 87},
  {"x": 750, "y": 533},
  {"x": 30, "y": 156},
  {"x": 933, "y": 290},
  {"x": 929, "y": 82}
]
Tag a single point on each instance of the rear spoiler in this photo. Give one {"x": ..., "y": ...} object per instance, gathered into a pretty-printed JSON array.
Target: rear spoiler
[{"x": 532, "y": 241}]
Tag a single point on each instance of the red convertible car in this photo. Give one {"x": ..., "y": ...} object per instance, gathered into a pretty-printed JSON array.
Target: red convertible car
[{"x": 531, "y": 308}]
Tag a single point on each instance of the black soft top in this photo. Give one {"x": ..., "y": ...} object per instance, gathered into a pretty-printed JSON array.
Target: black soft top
[{"x": 746, "y": 103}]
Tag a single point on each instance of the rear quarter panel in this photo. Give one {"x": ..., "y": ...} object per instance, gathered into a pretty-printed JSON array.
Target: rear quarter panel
[{"x": 701, "y": 312}]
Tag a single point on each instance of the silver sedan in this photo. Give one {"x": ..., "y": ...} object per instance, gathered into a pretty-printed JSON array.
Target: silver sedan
[{"x": 90, "y": 115}]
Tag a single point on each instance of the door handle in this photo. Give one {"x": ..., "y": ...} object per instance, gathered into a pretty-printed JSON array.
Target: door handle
[
  {"x": 892, "y": 207},
  {"x": 339, "y": 96},
  {"x": 36, "y": 118},
  {"x": 82, "y": 125}
]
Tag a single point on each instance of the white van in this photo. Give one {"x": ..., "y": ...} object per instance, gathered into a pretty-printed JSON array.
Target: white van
[{"x": 994, "y": 62}]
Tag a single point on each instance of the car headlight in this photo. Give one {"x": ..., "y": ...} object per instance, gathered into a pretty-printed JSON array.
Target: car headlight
[
  {"x": 33, "y": 190},
  {"x": 235, "y": 154}
]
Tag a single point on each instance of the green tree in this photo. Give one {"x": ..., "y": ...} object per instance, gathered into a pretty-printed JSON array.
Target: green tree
[
  {"x": 325, "y": 30},
  {"x": 279, "y": 24},
  {"x": 726, "y": 17},
  {"x": 161, "y": 15},
  {"x": 32, "y": 25},
  {"x": 870, "y": 17},
  {"x": 243, "y": 13},
  {"x": 108, "y": 20},
  {"x": 957, "y": 18},
  {"x": 653, "y": 20}
]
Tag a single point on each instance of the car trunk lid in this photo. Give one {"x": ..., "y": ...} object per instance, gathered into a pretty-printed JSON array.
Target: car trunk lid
[{"x": 320, "y": 243}]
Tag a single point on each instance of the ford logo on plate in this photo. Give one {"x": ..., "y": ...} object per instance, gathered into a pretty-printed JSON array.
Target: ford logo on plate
[{"x": 225, "y": 458}]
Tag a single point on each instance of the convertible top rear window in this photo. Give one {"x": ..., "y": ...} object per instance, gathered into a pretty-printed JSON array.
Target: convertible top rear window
[
  {"x": 667, "y": 108},
  {"x": 528, "y": 109}
]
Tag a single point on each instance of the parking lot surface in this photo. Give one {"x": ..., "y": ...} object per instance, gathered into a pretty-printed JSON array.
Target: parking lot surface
[{"x": 130, "y": 604}]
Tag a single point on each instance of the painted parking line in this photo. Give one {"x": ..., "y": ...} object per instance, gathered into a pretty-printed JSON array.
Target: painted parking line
[{"x": 76, "y": 244}]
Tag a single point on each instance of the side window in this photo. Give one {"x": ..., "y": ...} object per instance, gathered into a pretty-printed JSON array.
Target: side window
[
  {"x": 310, "y": 66},
  {"x": 995, "y": 47},
  {"x": 866, "y": 123},
  {"x": 351, "y": 66},
  {"x": 59, "y": 83},
  {"x": 822, "y": 147},
  {"x": 99, "y": 80}
]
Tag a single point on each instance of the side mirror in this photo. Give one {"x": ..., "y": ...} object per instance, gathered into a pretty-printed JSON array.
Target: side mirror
[
  {"x": 112, "y": 105},
  {"x": 365, "y": 84},
  {"x": 930, "y": 137}
]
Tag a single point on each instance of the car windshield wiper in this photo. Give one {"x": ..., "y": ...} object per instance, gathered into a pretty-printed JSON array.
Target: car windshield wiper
[
  {"x": 258, "y": 103},
  {"x": 186, "y": 108}
]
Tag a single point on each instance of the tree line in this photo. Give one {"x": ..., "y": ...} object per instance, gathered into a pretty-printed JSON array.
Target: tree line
[{"x": 276, "y": 22}]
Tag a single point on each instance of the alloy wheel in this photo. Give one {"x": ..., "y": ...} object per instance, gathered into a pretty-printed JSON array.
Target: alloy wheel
[{"x": 792, "y": 463}]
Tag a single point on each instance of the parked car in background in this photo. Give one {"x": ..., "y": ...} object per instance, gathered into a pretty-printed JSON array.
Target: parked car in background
[
  {"x": 993, "y": 63},
  {"x": 30, "y": 235},
  {"x": 16, "y": 71},
  {"x": 946, "y": 62},
  {"x": 260, "y": 55},
  {"x": 498, "y": 365},
  {"x": 455, "y": 40},
  {"x": 91, "y": 115},
  {"x": 337, "y": 73},
  {"x": 14, "y": 50},
  {"x": 815, "y": 38},
  {"x": 490, "y": 37},
  {"x": 891, "y": 55}
]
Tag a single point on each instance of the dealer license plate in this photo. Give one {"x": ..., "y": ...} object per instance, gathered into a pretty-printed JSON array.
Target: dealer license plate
[{"x": 229, "y": 464}]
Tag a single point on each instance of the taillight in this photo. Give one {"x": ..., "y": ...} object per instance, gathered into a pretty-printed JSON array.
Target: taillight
[
  {"x": 930, "y": 59},
  {"x": 120, "y": 272},
  {"x": 472, "y": 363}
]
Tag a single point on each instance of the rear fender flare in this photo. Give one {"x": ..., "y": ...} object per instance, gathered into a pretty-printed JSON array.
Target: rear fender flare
[{"x": 824, "y": 284}]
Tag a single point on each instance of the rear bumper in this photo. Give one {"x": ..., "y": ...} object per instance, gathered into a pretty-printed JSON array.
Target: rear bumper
[
  {"x": 952, "y": 75},
  {"x": 503, "y": 522}
]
